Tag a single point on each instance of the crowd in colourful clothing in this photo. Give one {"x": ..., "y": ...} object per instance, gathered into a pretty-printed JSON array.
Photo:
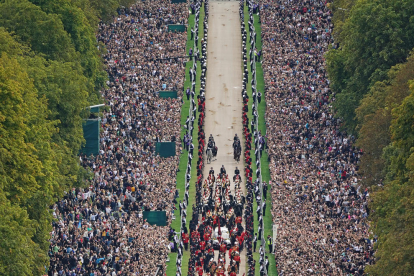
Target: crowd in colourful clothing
[
  {"x": 99, "y": 230},
  {"x": 317, "y": 199}
]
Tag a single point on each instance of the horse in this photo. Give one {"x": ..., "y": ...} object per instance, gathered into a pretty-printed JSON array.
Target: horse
[
  {"x": 237, "y": 152},
  {"x": 209, "y": 153},
  {"x": 215, "y": 149},
  {"x": 237, "y": 179}
]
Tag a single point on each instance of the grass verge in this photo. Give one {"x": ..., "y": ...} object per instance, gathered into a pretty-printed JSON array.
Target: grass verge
[
  {"x": 171, "y": 268},
  {"x": 180, "y": 178},
  {"x": 264, "y": 158}
]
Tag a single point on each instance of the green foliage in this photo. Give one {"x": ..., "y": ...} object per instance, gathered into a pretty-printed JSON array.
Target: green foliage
[
  {"x": 375, "y": 36},
  {"x": 43, "y": 32},
  {"x": 50, "y": 70},
  {"x": 66, "y": 90},
  {"x": 374, "y": 115},
  {"x": 393, "y": 219},
  {"x": 77, "y": 25},
  {"x": 372, "y": 77},
  {"x": 26, "y": 165},
  {"x": 341, "y": 10},
  {"x": 18, "y": 253}
]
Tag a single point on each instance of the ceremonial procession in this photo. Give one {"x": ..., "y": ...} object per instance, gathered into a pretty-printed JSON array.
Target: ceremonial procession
[{"x": 206, "y": 138}]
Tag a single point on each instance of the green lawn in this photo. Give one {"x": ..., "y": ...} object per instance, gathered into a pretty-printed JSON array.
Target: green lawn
[
  {"x": 262, "y": 127},
  {"x": 171, "y": 267}
]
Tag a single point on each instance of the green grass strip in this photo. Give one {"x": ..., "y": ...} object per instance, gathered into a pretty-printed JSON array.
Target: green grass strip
[
  {"x": 265, "y": 169},
  {"x": 171, "y": 268},
  {"x": 180, "y": 184},
  {"x": 264, "y": 158}
]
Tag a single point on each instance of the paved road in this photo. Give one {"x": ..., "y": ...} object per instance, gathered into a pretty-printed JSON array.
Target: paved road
[{"x": 223, "y": 89}]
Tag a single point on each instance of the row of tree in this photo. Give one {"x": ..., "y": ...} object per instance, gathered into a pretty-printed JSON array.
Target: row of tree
[
  {"x": 371, "y": 69},
  {"x": 50, "y": 70}
]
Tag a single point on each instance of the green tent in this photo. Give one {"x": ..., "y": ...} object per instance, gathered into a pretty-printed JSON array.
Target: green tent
[
  {"x": 165, "y": 149},
  {"x": 176, "y": 28},
  {"x": 91, "y": 135},
  {"x": 167, "y": 94},
  {"x": 155, "y": 217},
  {"x": 178, "y": 1}
]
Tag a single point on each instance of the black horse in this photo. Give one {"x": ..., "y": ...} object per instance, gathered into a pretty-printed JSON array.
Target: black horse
[{"x": 237, "y": 151}]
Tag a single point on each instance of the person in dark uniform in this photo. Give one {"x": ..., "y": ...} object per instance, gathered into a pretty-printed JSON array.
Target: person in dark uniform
[
  {"x": 236, "y": 173},
  {"x": 211, "y": 138},
  {"x": 222, "y": 171},
  {"x": 254, "y": 242},
  {"x": 211, "y": 171}
]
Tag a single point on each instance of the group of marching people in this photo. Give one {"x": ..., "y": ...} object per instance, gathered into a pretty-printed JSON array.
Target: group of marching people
[
  {"x": 218, "y": 198},
  {"x": 317, "y": 198},
  {"x": 219, "y": 208}
]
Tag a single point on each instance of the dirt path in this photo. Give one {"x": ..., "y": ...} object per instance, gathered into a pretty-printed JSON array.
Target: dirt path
[{"x": 223, "y": 89}]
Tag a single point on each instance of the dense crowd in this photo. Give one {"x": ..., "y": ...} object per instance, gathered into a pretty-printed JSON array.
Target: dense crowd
[
  {"x": 99, "y": 230},
  {"x": 318, "y": 201}
]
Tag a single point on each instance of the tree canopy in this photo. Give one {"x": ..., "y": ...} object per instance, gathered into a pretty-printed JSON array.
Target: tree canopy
[
  {"x": 372, "y": 75},
  {"x": 50, "y": 70},
  {"x": 376, "y": 35}
]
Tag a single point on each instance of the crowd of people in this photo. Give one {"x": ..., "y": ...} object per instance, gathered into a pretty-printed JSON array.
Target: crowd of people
[
  {"x": 318, "y": 202},
  {"x": 100, "y": 230}
]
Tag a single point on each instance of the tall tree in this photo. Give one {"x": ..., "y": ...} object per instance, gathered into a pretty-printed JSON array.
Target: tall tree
[
  {"x": 393, "y": 216},
  {"x": 24, "y": 130},
  {"x": 374, "y": 117},
  {"x": 377, "y": 35}
]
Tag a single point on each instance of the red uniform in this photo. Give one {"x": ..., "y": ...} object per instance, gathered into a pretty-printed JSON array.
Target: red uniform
[
  {"x": 202, "y": 245},
  {"x": 214, "y": 220},
  {"x": 237, "y": 258},
  {"x": 223, "y": 248},
  {"x": 185, "y": 238},
  {"x": 240, "y": 239},
  {"x": 199, "y": 270}
]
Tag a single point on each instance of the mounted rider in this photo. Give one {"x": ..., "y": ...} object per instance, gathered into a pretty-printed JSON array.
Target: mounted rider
[
  {"x": 236, "y": 148},
  {"x": 212, "y": 145},
  {"x": 236, "y": 173},
  {"x": 211, "y": 141},
  {"x": 236, "y": 141}
]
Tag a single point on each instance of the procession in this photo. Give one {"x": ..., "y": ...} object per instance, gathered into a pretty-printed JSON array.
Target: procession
[{"x": 207, "y": 137}]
